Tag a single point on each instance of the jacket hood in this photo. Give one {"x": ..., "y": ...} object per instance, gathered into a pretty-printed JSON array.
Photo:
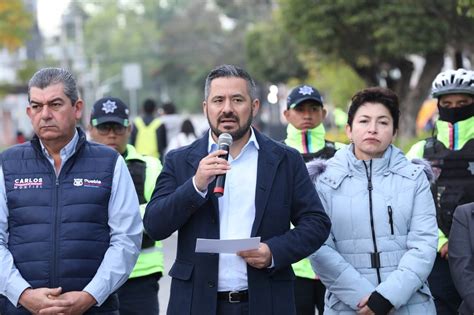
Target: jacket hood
[
  {"x": 426, "y": 168},
  {"x": 315, "y": 168}
]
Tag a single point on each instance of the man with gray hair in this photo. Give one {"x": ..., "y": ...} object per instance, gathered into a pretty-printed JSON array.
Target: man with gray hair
[{"x": 70, "y": 231}]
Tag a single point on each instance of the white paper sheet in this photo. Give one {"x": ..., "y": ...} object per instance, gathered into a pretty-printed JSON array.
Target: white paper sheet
[{"x": 205, "y": 245}]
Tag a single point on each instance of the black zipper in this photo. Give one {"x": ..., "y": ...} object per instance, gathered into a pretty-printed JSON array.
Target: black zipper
[
  {"x": 390, "y": 218},
  {"x": 57, "y": 220},
  {"x": 375, "y": 258},
  {"x": 54, "y": 263}
]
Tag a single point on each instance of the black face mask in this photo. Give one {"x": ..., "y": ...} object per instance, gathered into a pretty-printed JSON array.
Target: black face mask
[{"x": 453, "y": 115}]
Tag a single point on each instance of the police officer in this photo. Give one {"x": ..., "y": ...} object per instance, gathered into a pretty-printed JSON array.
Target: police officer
[
  {"x": 109, "y": 124},
  {"x": 305, "y": 132},
  {"x": 451, "y": 154}
]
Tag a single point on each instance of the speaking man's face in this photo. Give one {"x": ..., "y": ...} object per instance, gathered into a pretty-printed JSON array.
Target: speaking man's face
[{"x": 229, "y": 107}]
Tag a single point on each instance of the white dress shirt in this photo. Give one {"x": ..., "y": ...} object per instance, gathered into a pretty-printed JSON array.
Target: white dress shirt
[{"x": 236, "y": 211}]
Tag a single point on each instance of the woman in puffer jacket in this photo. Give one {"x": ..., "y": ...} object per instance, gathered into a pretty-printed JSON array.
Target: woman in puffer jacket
[{"x": 383, "y": 239}]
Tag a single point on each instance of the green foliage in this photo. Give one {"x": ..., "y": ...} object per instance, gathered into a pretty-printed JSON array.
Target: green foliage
[
  {"x": 377, "y": 39},
  {"x": 336, "y": 135},
  {"x": 176, "y": 42},
  {"x": 193, "y": 43},
  {"x": 245, "y": 12},
  {"x": 117, "y": 33},
  {"x": 272, "y": 54},
  {"x": 15, "y": 24},
  {"x": 466, "y": 7},
  {"x": 367, "y": 33},
  {"x": 334, "y": 78},
  {"x": 27, "y": 70}
]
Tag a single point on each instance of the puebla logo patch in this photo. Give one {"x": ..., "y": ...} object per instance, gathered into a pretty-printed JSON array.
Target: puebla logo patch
[{"x": 84, "y": 182}]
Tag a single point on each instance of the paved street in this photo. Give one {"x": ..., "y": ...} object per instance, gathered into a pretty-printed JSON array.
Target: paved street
[{"x": 169, "y": 250}]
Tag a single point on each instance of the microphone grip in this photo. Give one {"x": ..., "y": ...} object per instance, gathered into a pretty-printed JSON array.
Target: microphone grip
[{"x": 220, "y": 179}]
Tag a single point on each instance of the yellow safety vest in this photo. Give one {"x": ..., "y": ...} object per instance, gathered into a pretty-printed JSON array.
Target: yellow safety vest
[{"x": 146, "y": 142}]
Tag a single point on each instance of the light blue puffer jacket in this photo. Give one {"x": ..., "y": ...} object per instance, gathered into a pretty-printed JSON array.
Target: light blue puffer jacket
[{"x": 406, "y": 239}]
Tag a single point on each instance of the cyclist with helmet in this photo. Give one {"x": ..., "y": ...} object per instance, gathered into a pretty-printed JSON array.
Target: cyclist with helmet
[{"x": 450, "y": 151}]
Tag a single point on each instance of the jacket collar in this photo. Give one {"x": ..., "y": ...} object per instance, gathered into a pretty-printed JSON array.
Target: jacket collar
[
  {"x": 345, "y": 164},
  {"x": 36, "y": 142},
  {"x": 269, "y": 158}
]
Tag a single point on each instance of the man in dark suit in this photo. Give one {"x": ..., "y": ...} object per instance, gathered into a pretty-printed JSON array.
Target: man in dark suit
[{"x": 267, "y": 188}]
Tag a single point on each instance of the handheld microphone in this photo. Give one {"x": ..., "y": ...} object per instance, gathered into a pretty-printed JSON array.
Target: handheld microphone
[{"x": 224, "y": 143}]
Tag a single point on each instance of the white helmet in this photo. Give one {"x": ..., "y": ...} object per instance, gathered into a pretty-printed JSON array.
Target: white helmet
[{"x": 459, "y": 81}]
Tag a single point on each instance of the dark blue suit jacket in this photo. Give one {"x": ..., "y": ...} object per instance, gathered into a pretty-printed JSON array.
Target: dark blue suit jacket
[{"x": 284, "y": 194}]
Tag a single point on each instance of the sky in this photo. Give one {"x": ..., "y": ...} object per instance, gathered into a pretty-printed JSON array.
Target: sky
[{"x": 49, "y": 16}]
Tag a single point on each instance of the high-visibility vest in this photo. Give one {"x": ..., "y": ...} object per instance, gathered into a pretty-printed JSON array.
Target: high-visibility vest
[
  {"x": 146, "y": 141},
  {"x": 311, "y": 144},
  {"x": 150, "y": 260},
  {"x": 455, "y": 137}
]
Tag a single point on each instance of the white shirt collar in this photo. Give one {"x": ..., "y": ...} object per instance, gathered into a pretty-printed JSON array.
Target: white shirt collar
[
  {"x": 212, "y": 145},
  {"x": 67, "y": 150}
]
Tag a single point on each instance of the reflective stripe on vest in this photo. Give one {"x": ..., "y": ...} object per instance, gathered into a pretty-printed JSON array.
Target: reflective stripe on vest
[{"x": 454, "y": 172}]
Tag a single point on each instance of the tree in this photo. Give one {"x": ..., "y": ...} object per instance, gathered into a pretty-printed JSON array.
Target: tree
[
  {"x": 334, "y": 79},
  {"x": 176, "y": 42},
  {"x": 378, "y": 39},
  {"x": 246, "y": 13},
  {"x": 121, "y": 32},
  {"x": 193, "y": 42},
  {"x": 272, "y": 53},
  {"x": 15, "y": 24},
  {"x": 200, "y": 37}
]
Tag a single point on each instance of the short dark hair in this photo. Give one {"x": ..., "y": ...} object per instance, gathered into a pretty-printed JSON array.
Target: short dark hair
[
  {"x": 376, "y": 94},
  {"x": 50, "y": 76},
  {"x": 230, "y": 71},
  {"x": 149, "y": 106},
  {"x": 187, "y": 127},
  {"x": 169, "y": 108}
]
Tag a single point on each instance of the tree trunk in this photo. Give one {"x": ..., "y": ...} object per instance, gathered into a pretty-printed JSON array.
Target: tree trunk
[
  {"x": 368, "y": 74},
  {"x": 412, "y": 101},
  {"x": 402, "y": 85}
]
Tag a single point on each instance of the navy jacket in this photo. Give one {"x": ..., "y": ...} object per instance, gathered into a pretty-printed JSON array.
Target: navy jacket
[
  {"x": 58, "y": 227},
  {"x": 284, "y": 194}
]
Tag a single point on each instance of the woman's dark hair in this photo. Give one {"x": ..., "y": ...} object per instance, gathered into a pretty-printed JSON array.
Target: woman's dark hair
[
  {"x": 187, "y": 127},
  {"x": 376, "y": 94}
]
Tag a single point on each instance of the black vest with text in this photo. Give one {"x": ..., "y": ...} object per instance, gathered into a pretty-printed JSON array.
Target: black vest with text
[
  {"x": 58, "y": 226},
  {"x": 454, "y": 174},
  {"x": 137, "y": 169}
]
